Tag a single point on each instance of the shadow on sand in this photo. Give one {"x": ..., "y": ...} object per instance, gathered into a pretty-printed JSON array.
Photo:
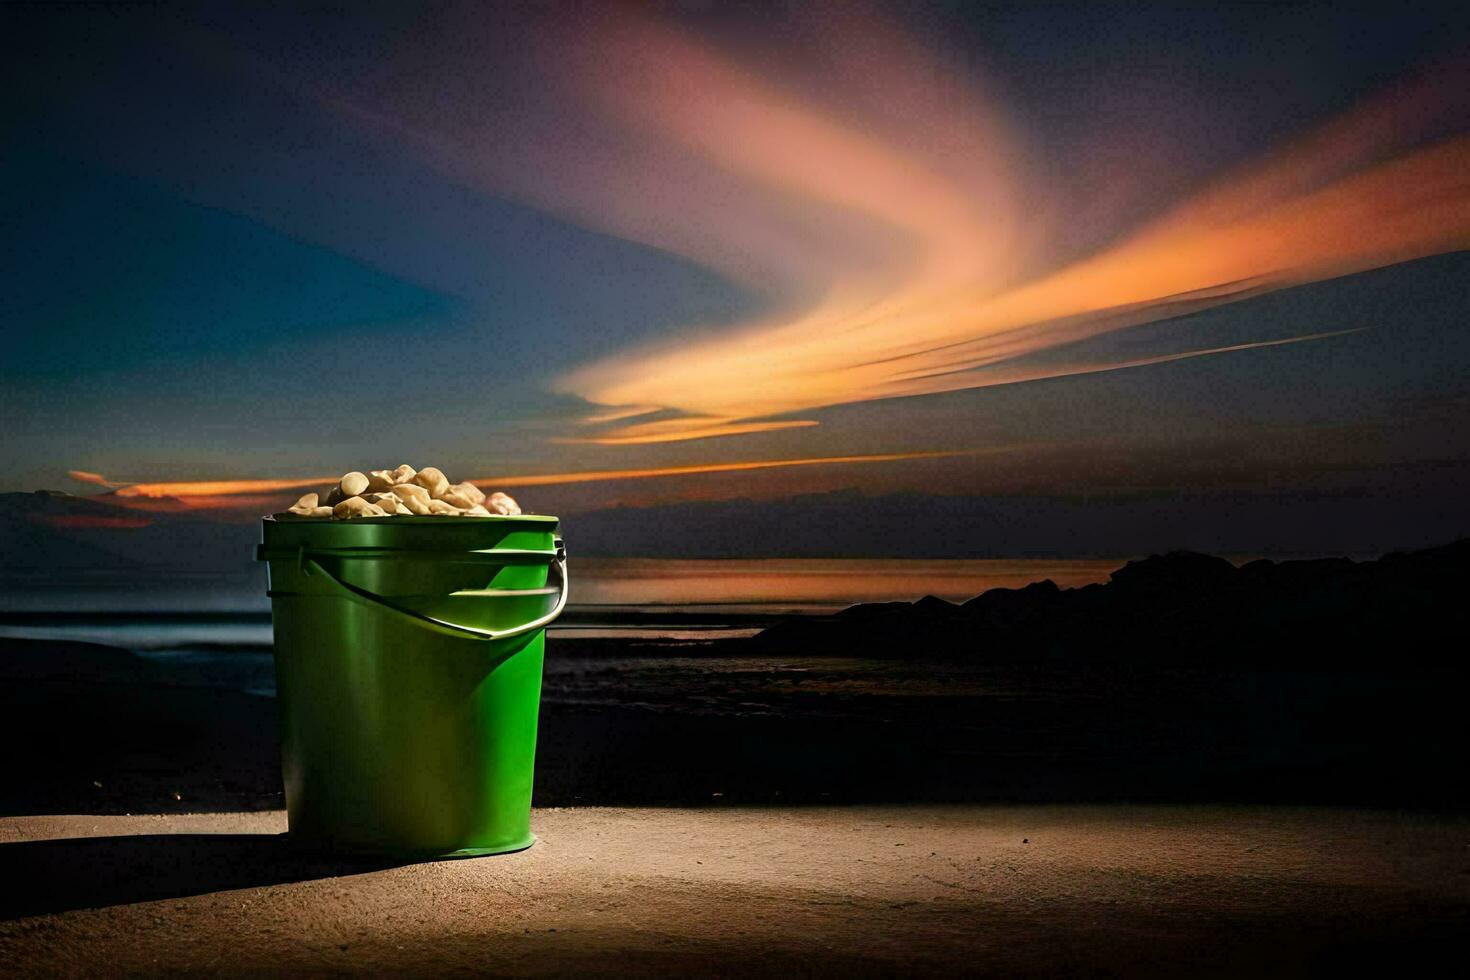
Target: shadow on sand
[{"x": 59, "y": 875}]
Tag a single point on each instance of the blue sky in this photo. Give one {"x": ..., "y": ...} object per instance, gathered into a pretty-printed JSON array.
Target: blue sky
[{"x": 214, "y": 270}]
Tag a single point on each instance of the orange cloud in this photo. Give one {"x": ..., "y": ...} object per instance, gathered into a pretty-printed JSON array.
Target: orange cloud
[
  {"x": 225, "y": 504},
  {"x": 1005, "y": 374},
  {"x": 890, "y": 213},
  {"x": 245, "y": 494},
  {"x": 219, "y": 488},
  {"x": 618, "y": 414},
  {"x": 549, "y": 479},
  {"x": 84, "y": 476},
  {"x": 678, "y": 430},
  {"x": 1349, "y": 197}
]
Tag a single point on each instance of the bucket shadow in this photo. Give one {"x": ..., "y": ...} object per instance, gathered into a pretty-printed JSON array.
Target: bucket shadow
[{"x": 59, "y": 875}]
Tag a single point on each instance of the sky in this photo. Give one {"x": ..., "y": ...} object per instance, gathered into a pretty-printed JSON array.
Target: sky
[{"x": 636, "y": 255}]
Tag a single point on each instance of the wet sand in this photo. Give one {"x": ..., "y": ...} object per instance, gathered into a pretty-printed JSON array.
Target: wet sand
[{"x": 939, "y": 890}]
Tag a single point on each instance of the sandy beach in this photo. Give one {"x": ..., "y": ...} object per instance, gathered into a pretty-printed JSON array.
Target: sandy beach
[
  {"x": 794, "y": 805},
  {"x": 803, "y": 891}
]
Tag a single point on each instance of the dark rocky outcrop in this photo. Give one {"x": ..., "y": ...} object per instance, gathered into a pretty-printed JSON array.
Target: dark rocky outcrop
[
  {"x": 1177, "y": 573},
  {"x": 1015, "y": 608},
  {"x": 1180, "y": 608}
]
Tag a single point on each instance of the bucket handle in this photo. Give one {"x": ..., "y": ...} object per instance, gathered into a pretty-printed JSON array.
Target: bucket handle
[{"x": 347, "y": 590}]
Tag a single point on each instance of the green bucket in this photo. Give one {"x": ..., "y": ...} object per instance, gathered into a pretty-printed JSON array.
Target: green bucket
[{"x": 408, "y": 656}]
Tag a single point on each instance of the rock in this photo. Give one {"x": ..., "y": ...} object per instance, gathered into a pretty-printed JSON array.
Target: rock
[
  {"x": 353, "y": 484},
  {"x": 503, "y": 504},
  {"x": 868, "y": 611},
  {"x": 414, "y": 497},
  {"x": 1182, "y": 609},
  {"x": 454, "y": 498},
  {"x": 355, "y": 507},
  {"x": 1177, "y": 571},
  {"x": 432, "y": 480},
  {"x": 933, "y": 607},
  {"x": 470, "y": 492},
  {"x": 403, "y": 491},
  {"x": 1009, "y": 608},
  {"x": 380, "y": 481},
  {"x": 305, "y": 505}
]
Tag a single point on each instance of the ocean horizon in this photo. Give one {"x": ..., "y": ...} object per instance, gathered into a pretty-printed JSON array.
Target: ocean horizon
[{"x": 215, "y": 630}]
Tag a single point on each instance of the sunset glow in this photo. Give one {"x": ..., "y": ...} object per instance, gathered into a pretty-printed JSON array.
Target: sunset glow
[
  {"x": 683, "y": 487},
  {"x": 972, "y": 294},
  {"x": 679, "y": 255},
  {"x": 240, "y": 494},
  {"x": 219, "y": 488},
  {"x": 535, "y": 480},
  {"x": 898, "y": 239}
]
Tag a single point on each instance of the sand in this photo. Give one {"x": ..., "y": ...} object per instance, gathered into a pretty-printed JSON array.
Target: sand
[{"x": 798, "y": 891}]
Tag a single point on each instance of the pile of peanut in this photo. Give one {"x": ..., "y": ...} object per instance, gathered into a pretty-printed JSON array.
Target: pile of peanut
[{"x": 385, "y": 493}]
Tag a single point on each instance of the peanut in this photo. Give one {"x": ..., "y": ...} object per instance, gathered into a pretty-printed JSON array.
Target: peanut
[
  {"x": 470, "y": 492},
  {"x": 354, "y": 507},
  {"x": 454, "y": 498},
  {"x": 501, "y": 503},
  {"x": 353, "y": 484},
  {"x": 433, "y": 480},
  {"x": 403, "y": 490},
  {"x": 414, "y": 497}
]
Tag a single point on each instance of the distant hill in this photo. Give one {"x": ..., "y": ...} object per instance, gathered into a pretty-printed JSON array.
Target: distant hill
[
  {"x": 49, "y": 533},
  {"x": 1405, "y": 610}
]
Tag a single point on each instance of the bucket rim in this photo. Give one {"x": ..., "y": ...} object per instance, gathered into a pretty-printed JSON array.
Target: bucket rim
[{"x": 434, "y": 519}]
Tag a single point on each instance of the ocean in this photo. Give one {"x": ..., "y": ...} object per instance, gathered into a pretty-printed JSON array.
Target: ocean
[{"x": 215, "y": 630}]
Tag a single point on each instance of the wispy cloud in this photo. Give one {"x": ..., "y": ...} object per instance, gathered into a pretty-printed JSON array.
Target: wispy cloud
[
  {"x": 684, "y": 428},
  {"x": 83, "y": 476},
  {"x": 218, "y": 488},
  {"x": 546, "y": 479},
  {"x": 890, "y": 211},
  {"x": 220, "y": 494},
  {"x": 952, "y": 311},
  {"x": 1006, "y": 373}
]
